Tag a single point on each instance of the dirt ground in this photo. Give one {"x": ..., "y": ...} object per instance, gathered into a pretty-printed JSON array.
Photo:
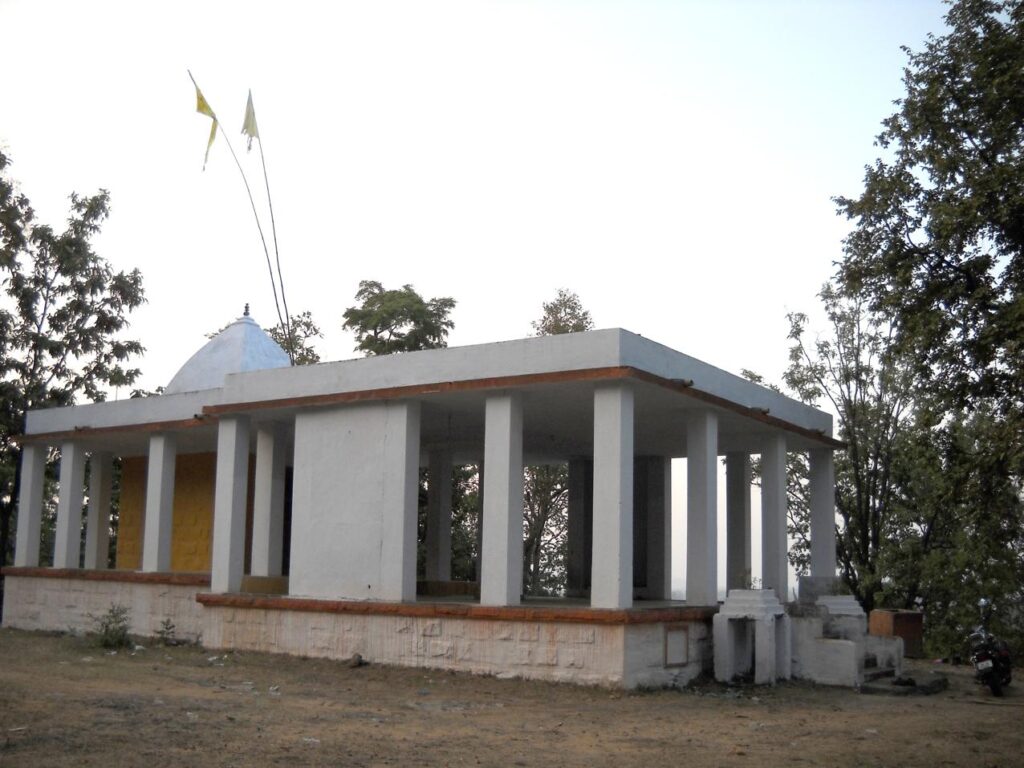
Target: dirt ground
[{"x": 66, "y": 702}]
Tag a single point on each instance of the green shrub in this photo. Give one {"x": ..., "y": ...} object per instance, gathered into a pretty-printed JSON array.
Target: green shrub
[
  {"x": 166, "y": 632},
  {"x": 112, "y": 627}
]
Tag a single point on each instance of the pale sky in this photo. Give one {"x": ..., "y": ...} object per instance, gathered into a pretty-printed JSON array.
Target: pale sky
[{"x": 671, "y": 162}]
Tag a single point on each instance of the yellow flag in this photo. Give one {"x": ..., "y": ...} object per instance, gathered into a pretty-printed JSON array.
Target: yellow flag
[
  {"x": 249, "y": 123},
  {"x": 203, "y": 107}
]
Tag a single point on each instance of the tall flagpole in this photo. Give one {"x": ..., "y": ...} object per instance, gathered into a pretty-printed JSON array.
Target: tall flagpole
[
  {"x": 252, "y": 203},
  {"x": 273, "y": 230}
]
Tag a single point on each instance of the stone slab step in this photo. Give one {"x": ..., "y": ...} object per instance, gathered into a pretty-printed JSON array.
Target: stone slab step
[{"x": 877, "y": 673}]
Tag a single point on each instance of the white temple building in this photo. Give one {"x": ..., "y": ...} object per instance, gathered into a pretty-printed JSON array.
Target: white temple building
[{"x": 274, "y": 508}]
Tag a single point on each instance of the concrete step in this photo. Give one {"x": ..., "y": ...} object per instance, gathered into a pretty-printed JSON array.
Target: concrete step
[{"x": 877, "y": 673}]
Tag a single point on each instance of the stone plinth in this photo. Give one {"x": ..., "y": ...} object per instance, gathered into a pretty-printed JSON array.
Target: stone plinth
[
  {"x": 618, "y": 648},
  {"x": 58, "y": 599}
]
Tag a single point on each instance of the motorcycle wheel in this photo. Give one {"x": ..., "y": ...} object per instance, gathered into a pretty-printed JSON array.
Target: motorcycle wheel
[{"x": 995, "y": 686}]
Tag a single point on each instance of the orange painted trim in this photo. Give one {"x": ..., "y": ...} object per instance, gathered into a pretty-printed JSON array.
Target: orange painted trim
[
  {"x": 417, "y": 390},
  {"x": 78, "y": 432},
  {"x": 129, "y": 577},
  {"x": 621, "y": 372},
  {"x": 742, "y": 410},
  {"x": 501, "y": 382},
  {"x": 461, "y": 610}
]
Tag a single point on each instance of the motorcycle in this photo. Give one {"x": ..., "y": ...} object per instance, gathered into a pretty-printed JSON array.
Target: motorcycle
[{"x": 989, "y": 655}]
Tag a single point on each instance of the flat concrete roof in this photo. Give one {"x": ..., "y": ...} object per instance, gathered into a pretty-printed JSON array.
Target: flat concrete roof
[{"x": 555, "y": 374}]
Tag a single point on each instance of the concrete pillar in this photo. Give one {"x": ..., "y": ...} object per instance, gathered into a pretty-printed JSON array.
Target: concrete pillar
[
  {"x": 268, "y": 501},
  {"x": 399, "y": 505},
  {"x": 439, "y": 517},
  {"x": 737, "y": 521},
  {"x": 97, "y": 525},
  {"x": 502, "y": 553},
  {"x": 765, "y": 651},
  {"x": 774, "y": 562},
  {"x": 68, "y": 536},
  {"x": 702, "y": 508},
  {"x": 823, "y": 513},
  {"x": 30, "y": 505},
  {"x": 580, "y": 529},
  {"x": 611, "y": 576},
  {"x": 659, "y": 527},
  {"x": 229, "y": 504},
  {"x": 156, "y": 534}
]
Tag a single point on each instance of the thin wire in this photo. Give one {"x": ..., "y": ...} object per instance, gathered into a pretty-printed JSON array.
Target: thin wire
[
  {"x": 270, "y": 269},
  {"x": 277, "y": 255}
]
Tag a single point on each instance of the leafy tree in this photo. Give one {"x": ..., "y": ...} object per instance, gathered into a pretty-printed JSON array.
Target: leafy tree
[
  {"x": 299, "y": 345},
  {"x": 397, "y": 320},
  {"x": 962, "y": 536},
  {"x": 938, "y": 243},
  {"x": 855, "y": 372},
  {"x": 62, "y": 310},
  {"x": 545, "y": 528},
  {"x": 546, "y": 488},
  {"x": 465, "y": 520},
  {"x": 938, "y": 248},
  {"x": 565, "y": 314}
]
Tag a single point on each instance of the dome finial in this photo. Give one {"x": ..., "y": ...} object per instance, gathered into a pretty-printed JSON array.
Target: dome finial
[{"x": 246, "y": 313}]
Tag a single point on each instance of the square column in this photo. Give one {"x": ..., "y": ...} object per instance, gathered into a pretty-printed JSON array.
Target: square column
[
  {"x": 68, "y": 536},
  {"x": 156, "y": 535},
  {"x": 774, "y": 548},
  {"x": 658, "y": 478},
  {"x": 580, "y": 529},
  {"x": 399, "y": 504},
  {"x": 97, "y": 525},
  {"x": 702, "y": 508},
  {"x": 612, "y": 564},
  {"x": 737, "y": 526},
  {"x": 823, "y": 513},
  {"x": 439, "y": 517},
  {"x": 30, "y": 505},
  {"x": 502, "y": 553},
  {"x": 229, "y": 504},
  {"x": 268, "y": 501}
]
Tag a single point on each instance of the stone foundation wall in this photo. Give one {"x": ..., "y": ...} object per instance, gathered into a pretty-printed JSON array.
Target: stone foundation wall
[
  {"x": 578, "y": 652},
  {"x": 638, "y": 648},
  {"x": 70, "y": 603},
  {"x": 598, "y": 654}
]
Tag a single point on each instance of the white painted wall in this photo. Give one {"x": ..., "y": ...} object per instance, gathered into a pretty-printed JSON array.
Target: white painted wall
[{"x": 354, "y": 502}]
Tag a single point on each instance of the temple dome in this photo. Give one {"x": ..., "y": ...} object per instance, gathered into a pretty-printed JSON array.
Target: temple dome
[{"x": 242, "y": 346}]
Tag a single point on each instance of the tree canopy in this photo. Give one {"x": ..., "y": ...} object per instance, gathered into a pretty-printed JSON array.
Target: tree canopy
[
  {"x": 938, "y": 243},
  {"x": 853, "y": 370},
  {"x": 62, "y": 311},
  {"x": 924, "y": 359},
  {"x": 563, "y": 314},
  {"x": 397, "y": 320},
  {"x": 299, "y": 342}
]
